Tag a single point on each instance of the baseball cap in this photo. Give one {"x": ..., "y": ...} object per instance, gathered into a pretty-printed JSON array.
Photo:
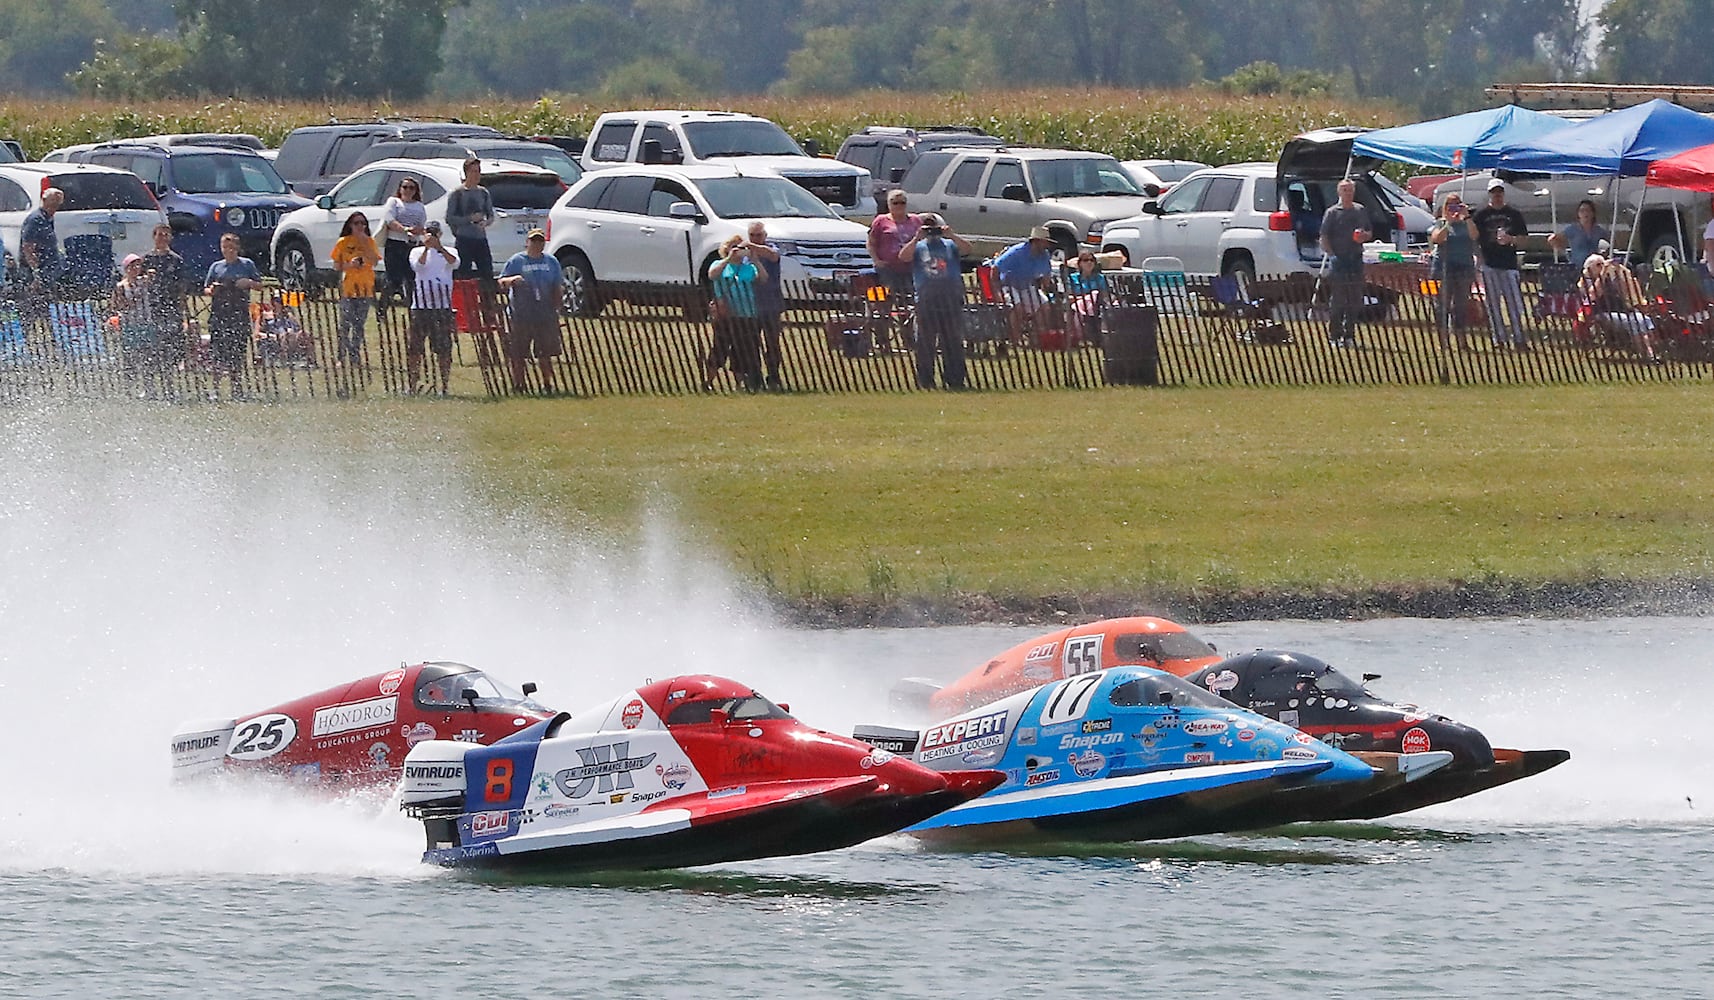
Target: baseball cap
[
  {"x": 130, "y": 258},
  {"x": 1496, "y": 183},
  {"x": 535, "y": 234},
  {"x": 433, "y": 226}
]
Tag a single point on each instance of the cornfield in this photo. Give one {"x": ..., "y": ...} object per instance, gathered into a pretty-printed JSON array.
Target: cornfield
[{"x": 1195, "y": 124}]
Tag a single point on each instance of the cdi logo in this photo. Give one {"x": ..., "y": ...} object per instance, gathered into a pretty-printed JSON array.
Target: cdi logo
[{"x": 606, "y": 766}]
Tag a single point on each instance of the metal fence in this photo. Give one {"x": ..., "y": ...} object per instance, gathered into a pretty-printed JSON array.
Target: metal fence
[{"x": 1161, "y": 329}]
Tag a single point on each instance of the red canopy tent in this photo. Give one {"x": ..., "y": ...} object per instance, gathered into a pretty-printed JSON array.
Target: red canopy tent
[{"x": 1691, "y": 170}]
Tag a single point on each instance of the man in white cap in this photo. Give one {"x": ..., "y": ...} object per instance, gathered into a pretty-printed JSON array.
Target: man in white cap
[
  {"x": 1500, "y": 230},
  {"x": 1025, "y": 271}
]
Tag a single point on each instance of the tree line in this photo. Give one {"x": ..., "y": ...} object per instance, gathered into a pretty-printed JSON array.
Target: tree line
[{"x": 1434, "y": 55}]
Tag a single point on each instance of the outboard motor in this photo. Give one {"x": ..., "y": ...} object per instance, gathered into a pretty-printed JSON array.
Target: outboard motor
[{"x": 432, "y": 789}]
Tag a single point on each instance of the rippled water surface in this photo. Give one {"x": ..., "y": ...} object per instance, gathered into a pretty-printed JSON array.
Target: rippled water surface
[{"x": 162, "y": 567}]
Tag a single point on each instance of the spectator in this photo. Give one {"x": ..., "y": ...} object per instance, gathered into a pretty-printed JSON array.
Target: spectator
[
  {"x": 1615, "y": 302},
  {"x": 1087, "y": 287},
  {"x": 354, "y": 257},
  {"x": 1581, "y": 238},
  {"x": 282, "y": 339},
  {"x": 431, "y": 308},
  {"x": 770, "y": 300},
  {"x": 1025, "y": 273},
  {"x": 130, "y": 305},
  {"x": 736, "y": 338},
  {"x": 1500, "y": 229},
  {"x": 934, "y": 254},
  {"x": 1454, "y": 237},
  {"x": 231, "y": 279},
  {"x": 166, "y": 285},
  {"x": 1344, "y": 230},
  {"x": 888, "y": 234},
  {"x": 469, "y": 213},
  {"x": 536, "y": 285},
  {"x": 403, "y": 221},
  {"x": 39, "y": 258}
]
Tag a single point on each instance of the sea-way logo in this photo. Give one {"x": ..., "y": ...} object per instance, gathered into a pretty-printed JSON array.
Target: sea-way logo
[
  {"x": 1199, "y": 757},
  {"x": 964, "y": 735},
  {"x": 606, "y": 766},
  {"x": 488, "y": 824},
  {"x": 1298, "y": 753},
  {"x": 1415, "y": 741},
  {"x": 1204, "y": 727},
  {"x": 632, "y": 715},
  {"x": 390, "y": 681},
  {"x": 354, "y": 715},
  {"x": 1087, "y": 764},
  {"x": 1225, "y": 680},
  {"x": 673, "y": 776}
]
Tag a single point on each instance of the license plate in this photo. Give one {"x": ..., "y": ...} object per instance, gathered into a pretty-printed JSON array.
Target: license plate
[
  {"x": 844, "y": 275},
  {"x": 113, "y": 230},
  {"x": 528, "y": 222}
]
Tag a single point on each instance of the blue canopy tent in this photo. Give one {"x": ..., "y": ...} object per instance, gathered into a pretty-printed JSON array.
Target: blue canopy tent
[
  {"x": 1623, "y": 142},
  {"x": 1471, "y": 141}
]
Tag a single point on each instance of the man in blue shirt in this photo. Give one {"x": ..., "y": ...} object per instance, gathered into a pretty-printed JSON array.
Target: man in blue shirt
[
  {"x": 1025, "y": 271},
  {"x": 933, "y": 254},
  {"x": 536, "y": 284},
  {"x": 39, "y": 254},
  {"x": 231, "y": 279}
]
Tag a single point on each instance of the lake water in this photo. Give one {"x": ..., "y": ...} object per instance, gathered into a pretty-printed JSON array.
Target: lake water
[{"x": 162, "y": 566}]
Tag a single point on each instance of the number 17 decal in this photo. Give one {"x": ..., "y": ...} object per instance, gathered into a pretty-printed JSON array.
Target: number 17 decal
[
  {"x": 1082, "y": 655},
  {"x": 1069, "y": 699}
]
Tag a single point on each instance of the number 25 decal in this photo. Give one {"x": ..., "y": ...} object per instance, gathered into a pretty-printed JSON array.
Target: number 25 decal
[
  {"x": 1082, "y": 655},
  {"x": 1068, "y": 700},
  {"x": 263, "y": 736}
]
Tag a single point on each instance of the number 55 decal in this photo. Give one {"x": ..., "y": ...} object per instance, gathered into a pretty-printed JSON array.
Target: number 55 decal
[
  {"x": 1082, "y": 655},
  {"x": 1068, "y": 700},
  {"x": 263, "y": 736}
]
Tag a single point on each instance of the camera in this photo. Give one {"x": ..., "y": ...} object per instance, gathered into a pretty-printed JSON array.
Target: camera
[{"x": 934, "y": 230}]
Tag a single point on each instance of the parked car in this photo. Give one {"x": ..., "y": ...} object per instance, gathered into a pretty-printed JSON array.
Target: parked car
[
  {"x": 207, "y": 192},
  {"x": 888, "y": 152},
  {"x": 303, "y": 243},
  {"x": 725, "y": 137},
  {"x": 1162, "y": 174},
  {"x": 11, "y": 151},
  {"x": 540, "y": 154},
  {"x": 662, "y": 226},
  {"x": 107, "y": 214},
  {"x": 239, "y": 140},
  {"x": 1253, "y": 218},
  {"x": 994, "y": 197},
  {"x": 314, "y": 158}
]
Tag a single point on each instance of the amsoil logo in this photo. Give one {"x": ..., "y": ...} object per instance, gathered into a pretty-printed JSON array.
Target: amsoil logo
[
  {"x": 632, "y": 715},
  {"x": 606, "y": 766}
]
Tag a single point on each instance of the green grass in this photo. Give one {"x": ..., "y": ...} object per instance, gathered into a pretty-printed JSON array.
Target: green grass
[{"x": 1127, "y": 491}]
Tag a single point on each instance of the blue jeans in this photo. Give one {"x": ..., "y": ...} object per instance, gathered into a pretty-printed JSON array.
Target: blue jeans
[
  {"x": 1500, "y": 287},
  {"x": 353, "y": 314}
]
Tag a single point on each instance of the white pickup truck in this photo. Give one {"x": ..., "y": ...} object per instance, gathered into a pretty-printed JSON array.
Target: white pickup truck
[{"x": 726, "y": 138}]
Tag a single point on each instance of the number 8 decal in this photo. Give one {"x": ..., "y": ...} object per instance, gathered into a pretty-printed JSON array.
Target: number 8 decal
[
  {"x": 1069, "y": 699},
  {"x": 499, "y": 787}
]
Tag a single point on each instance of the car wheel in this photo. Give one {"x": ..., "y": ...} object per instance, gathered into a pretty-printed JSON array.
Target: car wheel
[
  {"x": 1664, "y": 250},
  {"x": 1240, "y": 266},
  {"x": 295, "y": 267},
  {"x": 1066, "y": 244},
  {"x": 581, "y": 297}
]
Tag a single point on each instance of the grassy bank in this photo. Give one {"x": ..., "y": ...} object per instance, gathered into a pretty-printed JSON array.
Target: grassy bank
[
  {"x": 1131, "y": 497},
  {"x": 1193, "y": 124}
]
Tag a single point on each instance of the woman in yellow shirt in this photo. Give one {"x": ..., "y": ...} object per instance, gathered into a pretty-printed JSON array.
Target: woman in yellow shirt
[{"x": 354, "y": 257}]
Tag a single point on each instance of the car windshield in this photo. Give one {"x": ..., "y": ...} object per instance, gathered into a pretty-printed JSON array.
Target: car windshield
[
  {"x": 746, "y": 709},
  {"x": 739, "y": 138},
  {"x": 1081, "y": 177},
  {"x": 225, "y": 173},
  {"x": 1176, "y": 171},
  {"x": 762, "y": 198},
  {"x": 437, "y": 688},
  {"x": 551, "y": 157}
]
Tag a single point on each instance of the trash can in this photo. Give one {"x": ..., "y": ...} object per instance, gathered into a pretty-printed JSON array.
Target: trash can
[{"x": 1132, "y": 346}]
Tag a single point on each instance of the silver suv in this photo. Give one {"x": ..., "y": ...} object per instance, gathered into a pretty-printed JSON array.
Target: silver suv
[{"x": 995, "y": 196}]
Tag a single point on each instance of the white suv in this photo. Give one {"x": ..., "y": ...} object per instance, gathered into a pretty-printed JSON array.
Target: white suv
[
  {"x": 101, "y": 204},
  {"x": 303, "y": 241},
  {"x": 726, "y": 137},
  {"x": 1239, "y": 219},
  {"x": 662, "y": 226}
]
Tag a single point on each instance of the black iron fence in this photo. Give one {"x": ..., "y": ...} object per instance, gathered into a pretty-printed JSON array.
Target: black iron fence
[{"x": 1141, "y": 329}]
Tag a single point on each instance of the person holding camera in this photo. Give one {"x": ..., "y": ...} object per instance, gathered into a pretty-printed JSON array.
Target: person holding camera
[
  {"x": 1454, "y": 238},
  {"x": 737, "y": 332},
  {"x": 431, "y": 306},
  {"x": 933, "y": 254}
]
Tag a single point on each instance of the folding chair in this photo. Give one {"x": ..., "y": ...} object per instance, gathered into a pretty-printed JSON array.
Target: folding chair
[{"x": 1253, "y": 317}]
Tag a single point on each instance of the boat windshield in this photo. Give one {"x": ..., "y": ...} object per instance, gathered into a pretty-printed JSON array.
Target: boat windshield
[
  {"x": 745, "y": 709},
  {"x": 1163, "y": 689},
  {"x": 1335, "y": 683},
  {"x": 441, "y": 687},
  {"x": 1158, "y": 647}
]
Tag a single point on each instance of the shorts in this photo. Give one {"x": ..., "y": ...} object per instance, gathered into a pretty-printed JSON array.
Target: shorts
[
  {"x": 432, "y": 325},
  {"x": 535, "y": 337},
  {"x": 229, "y": 334},
  {"x": 1024, "y": 298}
]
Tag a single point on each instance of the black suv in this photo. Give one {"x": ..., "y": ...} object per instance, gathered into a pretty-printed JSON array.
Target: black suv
[
  {"x": 536, "y": 154},
  {"x": 314, "y": 158},
  {"x": 888, "y": 152}
]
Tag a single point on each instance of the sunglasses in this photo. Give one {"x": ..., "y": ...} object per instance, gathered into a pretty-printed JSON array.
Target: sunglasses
[{"x": 896, "y": 201}]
